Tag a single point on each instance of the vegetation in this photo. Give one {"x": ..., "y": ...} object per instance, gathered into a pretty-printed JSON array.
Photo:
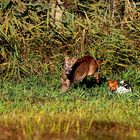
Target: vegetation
[
  {"x": 34, "y": 109},
  {"x": 29, "y": 35},
  {"x": 32, "y": 46}
]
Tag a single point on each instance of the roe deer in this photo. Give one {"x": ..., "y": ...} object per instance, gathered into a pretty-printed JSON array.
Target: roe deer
[{"x": 81, "y": 68}]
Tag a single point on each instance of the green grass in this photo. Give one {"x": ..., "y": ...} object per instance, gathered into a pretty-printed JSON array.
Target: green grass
[{"x": 35, "y": 108}]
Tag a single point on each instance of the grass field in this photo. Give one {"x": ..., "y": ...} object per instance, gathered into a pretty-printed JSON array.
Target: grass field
[
  {"x": 32, "y": 47},
  {"x": 35, "y": 108}
]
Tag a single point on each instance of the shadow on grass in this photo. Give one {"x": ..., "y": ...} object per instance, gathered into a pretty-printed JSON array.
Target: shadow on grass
[{"x": 90, "y": 83}]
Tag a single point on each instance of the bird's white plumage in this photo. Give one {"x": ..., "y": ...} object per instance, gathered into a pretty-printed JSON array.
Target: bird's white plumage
[{"x": 123, "y": 90}]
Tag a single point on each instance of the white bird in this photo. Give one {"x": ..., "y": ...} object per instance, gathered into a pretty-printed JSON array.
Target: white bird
[{"x": 124, "y": 88}]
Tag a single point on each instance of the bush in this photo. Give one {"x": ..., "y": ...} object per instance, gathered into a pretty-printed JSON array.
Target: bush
[{"x": 31, "y": 42}]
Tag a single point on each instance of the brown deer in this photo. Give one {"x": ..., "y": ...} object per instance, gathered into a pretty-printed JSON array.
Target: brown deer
[{"x": 80, "y": 69}]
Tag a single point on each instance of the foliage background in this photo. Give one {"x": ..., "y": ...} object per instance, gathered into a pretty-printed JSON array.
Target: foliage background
[
  {"x": 32, "y": 47},
  {"x": 32, "y": 42}
]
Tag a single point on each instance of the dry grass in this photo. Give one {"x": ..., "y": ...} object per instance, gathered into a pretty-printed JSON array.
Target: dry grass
[{"x": 29, "y": 36}]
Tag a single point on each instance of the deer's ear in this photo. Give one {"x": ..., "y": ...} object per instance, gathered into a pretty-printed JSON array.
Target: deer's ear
[
  {"x": 66, "y": 58},
  {"x": 74, "y": 59},
  {"x": 65, "y": 54}
]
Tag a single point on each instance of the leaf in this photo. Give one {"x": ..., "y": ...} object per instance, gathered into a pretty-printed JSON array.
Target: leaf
[
  {"x": 122, "y": 65},
  {"x": 5, "y": 4},
  {"x": 15, "y": 1},
  {"x": 12, "y": 30},
  {"x": 7, "y": 26},
  {"x": 3, "y": 54}
]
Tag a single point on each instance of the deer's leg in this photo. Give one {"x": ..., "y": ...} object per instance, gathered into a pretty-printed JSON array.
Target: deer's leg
[
  {"x": 96, "y": 75},
  {"x": 65, "y": 85}
]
